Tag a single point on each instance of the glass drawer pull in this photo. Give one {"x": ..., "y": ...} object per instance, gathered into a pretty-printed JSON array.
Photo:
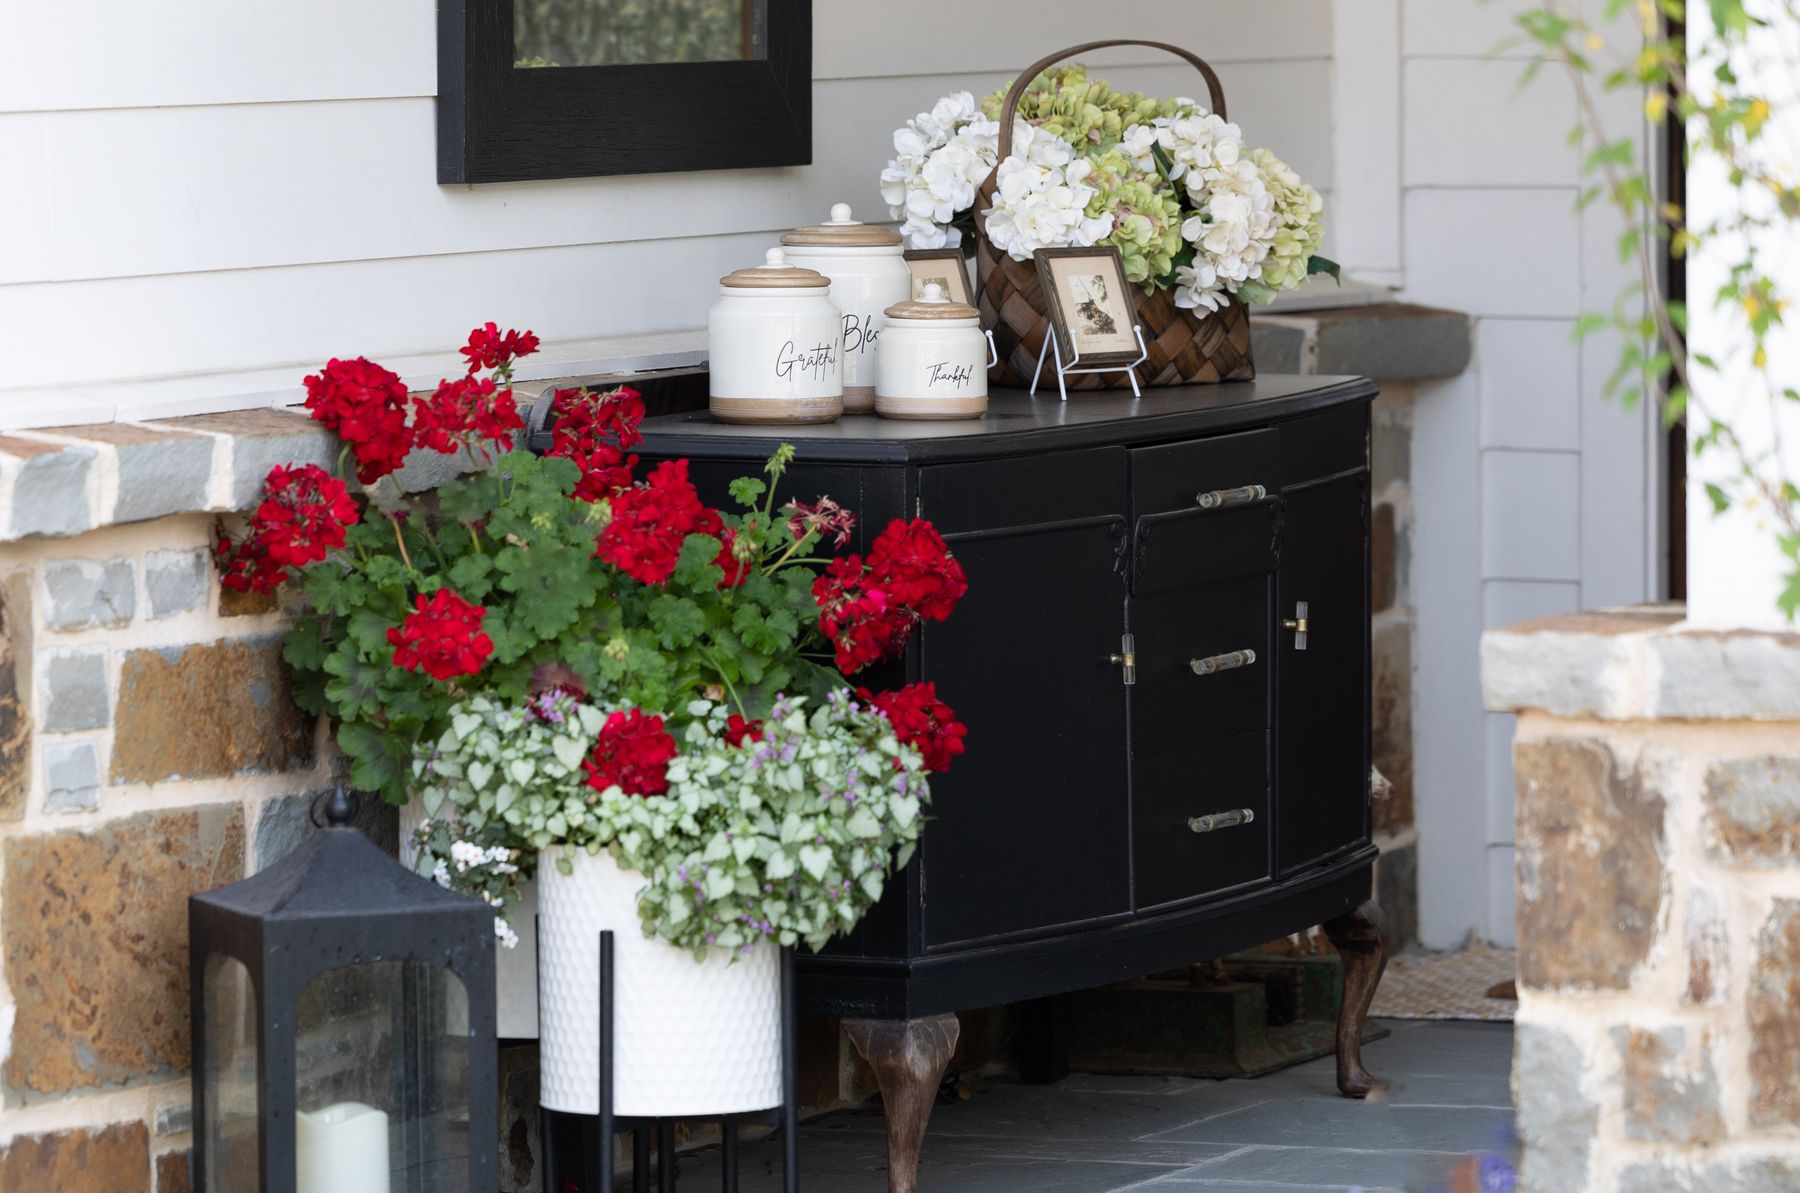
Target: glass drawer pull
[
  {"x": 1219, "y": 499},
  {"x": 1219, "y": 820},
  {"x": 1230, "y": 660}
]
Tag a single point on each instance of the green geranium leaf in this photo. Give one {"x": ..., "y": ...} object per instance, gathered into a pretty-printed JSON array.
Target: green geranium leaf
[
  {"x": 745, "y": 490},
  {"x": 678, "y": 621}
]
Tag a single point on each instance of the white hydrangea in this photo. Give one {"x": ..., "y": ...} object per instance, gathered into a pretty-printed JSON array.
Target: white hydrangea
[
  {"x": 1199, "y": 144},
  {"x": 1043, "y": 206},
  {"x": 1198, "y": 286},
  {"x": 940, "y": 157}
]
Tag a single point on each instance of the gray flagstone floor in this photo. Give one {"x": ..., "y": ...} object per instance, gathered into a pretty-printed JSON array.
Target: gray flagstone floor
[{"x": 1446, "y": 1105}]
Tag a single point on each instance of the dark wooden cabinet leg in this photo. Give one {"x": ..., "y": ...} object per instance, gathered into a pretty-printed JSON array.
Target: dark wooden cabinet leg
[
  {"x": 1043, "y": 1044},
  {"x": 1361, "y": 939},
  {"x": 909, "y": 1057}
]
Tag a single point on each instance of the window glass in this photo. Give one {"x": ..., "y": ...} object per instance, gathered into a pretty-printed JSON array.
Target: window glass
[
  {"x": 383, "y": 1084},
  {"x": 233, "y": 1144},
  {"x": 636, "y": 32}
]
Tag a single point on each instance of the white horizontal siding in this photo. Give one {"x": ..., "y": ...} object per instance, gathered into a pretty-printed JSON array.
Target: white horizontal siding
[
  {"x": 246, "y": 186},
  {"x": 247, "y": 319},
  {"x": 239, "y": 186},
  {"x": 75, "y": 54},
  {"x": 1498, "y": 133}
]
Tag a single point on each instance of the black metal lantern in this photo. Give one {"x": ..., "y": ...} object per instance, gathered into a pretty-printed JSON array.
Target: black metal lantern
[{"x": 343, "y": 1027}]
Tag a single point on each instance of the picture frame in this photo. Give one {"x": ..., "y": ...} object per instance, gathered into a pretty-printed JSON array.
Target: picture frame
[
  {"x": 944, "y": 266},
  {"x": 1085, "y": 292}
]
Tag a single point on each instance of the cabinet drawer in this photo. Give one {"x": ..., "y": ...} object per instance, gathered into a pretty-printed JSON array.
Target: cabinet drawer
[
  {"x": 1203, "y": 663},
  {"x": 1326, "y": 444},
  {"x": 1184, "y": 548},
  {"x": 1171, "y": 475},
  {"x": 1031, "y": 490},
  {"x": 1169, "y": 788}
]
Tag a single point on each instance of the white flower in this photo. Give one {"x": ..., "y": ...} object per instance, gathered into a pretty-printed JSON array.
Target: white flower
[
  {"x": 504, "y": 933},
  {"x": 940, "y": 157},
  {"x": 1197, "y": 286},
  {"x": 440, "y": 873},
  {"x": 1139, "y": 144},
  {"x": 1042, "y": 206},
  {"x": 1233, "y": 230},
  {"x": 465, "y": 854},
  {"x": 1198, "y": 142}
]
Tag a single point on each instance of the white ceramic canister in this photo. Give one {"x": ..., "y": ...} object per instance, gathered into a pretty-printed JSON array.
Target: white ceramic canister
[
  {"x": 689, "y": 1039},
  {"x": 934, "y": 359},
  {"x": 777, "y": 346},
  {"x": 868, "y": 275}
]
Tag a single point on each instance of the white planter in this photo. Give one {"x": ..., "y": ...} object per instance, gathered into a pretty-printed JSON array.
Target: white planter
[
  {"x": 515, "y": 969},
  {"x": 689, "y": 1038}
]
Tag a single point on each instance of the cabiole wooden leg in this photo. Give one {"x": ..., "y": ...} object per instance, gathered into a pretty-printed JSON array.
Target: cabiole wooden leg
[
  {"x": 1362, "y": 941},
  {"x": 909, "y": 1057}
]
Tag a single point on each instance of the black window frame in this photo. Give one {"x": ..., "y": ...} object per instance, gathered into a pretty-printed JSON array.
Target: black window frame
[{"x": 496, "y": 123}]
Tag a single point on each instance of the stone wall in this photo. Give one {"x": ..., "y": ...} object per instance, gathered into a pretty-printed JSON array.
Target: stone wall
[
  {"x": 1658, "y": 820},
  {"x": 150, "y": 750}
]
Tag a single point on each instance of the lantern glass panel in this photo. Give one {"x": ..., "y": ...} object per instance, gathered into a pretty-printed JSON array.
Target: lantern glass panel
[
  {"x": 230, "y": 1087},
  {"x": 382, "y": 1073}
]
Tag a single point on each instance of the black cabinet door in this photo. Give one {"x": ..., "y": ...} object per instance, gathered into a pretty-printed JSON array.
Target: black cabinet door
[
  {"x": 1202, "y": 589},
  {"x": 1323, "y": 702},
  {"x": 1029, "y": 830}
]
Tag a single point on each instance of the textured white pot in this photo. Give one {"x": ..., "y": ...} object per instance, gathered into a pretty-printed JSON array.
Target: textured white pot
[
  {"x": 515, "y": 969},
  {"x": 689, "y": 1038}
]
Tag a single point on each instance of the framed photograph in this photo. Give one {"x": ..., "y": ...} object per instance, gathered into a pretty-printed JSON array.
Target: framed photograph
[
  {"x": 1091, "y": 305},
  {"x": 943, "y": 266}
]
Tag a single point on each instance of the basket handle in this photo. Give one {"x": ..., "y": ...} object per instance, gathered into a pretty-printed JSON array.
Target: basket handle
[{"x": 1016, "y": 92}]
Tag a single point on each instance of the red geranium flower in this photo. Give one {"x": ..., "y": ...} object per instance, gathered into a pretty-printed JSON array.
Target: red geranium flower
[
  {"x": 633, "y": 753},
  {"x": 921, "y": 720},
  {"x": 650, "y": 522},
  {"x": 910, "y": 561},
  {"x": 595, "y": 431},
  {"x": 366, "y": 405},
  {"x": 488, "y": 349},
  {"x": 856, "y": 617},
  {"x": 466, "y": 410},
  {"x": 303, "y": 517},
  {"x": 830, "y": 519},
  {"x": 738, "y": 730},
  {"x": 736, "y": 570},
  {"x": 442, "y": 636},
  {"x": 246, "y": 566}
]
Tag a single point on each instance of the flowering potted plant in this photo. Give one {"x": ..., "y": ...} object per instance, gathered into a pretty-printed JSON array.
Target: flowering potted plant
[
  {"x": 1204, "y": 224},
  {"x": 1167, "y": 181},
  {"x": 594, "y": 677}
]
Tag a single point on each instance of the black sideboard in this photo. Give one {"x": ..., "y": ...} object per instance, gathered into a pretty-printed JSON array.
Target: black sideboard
[{"x": 1163, "y": 661}]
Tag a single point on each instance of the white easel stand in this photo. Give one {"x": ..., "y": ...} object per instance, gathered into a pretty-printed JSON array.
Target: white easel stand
[{"x": 1069, "y": 370}]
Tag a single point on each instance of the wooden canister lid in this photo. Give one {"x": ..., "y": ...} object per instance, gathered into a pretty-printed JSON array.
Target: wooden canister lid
[
  {"x": 932, "y": 303},
  {"x": 843, "y": 232},
  {"x": 776, "y": 274}
]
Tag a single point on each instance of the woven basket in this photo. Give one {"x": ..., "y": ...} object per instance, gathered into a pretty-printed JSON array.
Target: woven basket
[{"x": 1186, "y": 347}]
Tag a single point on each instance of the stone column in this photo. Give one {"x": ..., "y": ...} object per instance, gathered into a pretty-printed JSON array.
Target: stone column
[{"x": 1658, "y": 821}]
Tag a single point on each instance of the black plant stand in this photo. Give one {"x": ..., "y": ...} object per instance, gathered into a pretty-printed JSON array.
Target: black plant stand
[{"x": 589, "y": 1169}]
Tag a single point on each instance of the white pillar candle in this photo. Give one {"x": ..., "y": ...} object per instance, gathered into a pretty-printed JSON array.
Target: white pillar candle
[{"x": 341, "y": 1149}]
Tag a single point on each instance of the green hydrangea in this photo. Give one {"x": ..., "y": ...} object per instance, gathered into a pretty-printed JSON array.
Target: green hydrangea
[
  {"x": 1146, "y": 209},
  {"x": 1085, "y": 112},
  {"x": 1298, "y": 231}
]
